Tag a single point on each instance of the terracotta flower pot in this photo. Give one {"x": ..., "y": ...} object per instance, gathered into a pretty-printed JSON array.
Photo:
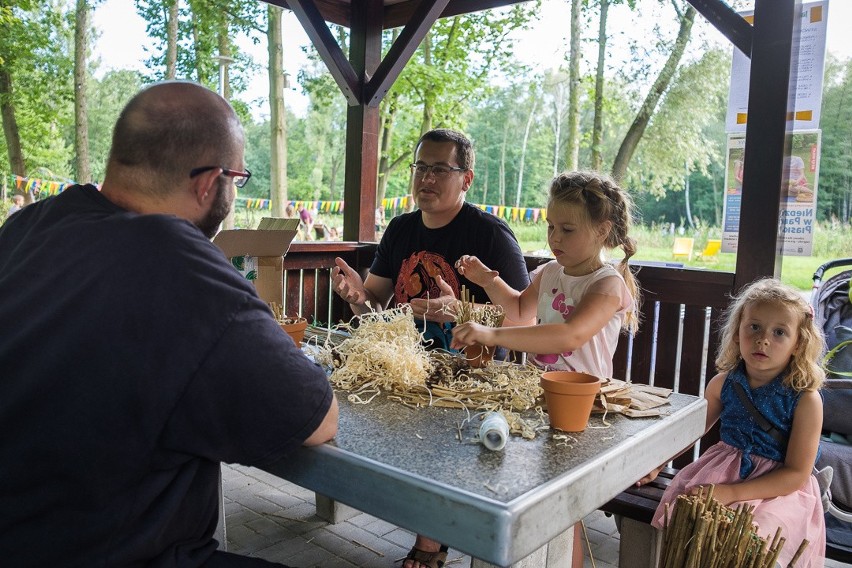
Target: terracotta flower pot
[
  {"x": 295, "y": 328},
  {"x": 569, "y": 397},
  {"x": 478, "y": 355}
]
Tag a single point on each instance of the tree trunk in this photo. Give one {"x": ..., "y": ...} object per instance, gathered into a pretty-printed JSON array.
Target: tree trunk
[
  {"x": 10, "y": 125},
  {"x": 524, "y": 154},
  {"x": 485, "y": 184},
  {"x": 572, "y": 155},
  {"x": 597, "y": 129},
  {"x": 81, "y": 116},
  {"x": 428, "y": 102},
  {"x": 390, "y": 107},
  {"x": 278, "y": 114},
  {"x": 171, "y": 39},
  {"x": 196, "y": 46},
  {"x": 501, "y": 186},
  {"x": 637, "y": 129},
  {"x": 224, "y": 44},
  {"x": 557, "y": 128}
]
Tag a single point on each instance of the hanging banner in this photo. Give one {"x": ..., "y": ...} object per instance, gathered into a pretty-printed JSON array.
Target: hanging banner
[
  {"x": 799, "y": 182},
  {"x": 807, "y": 63}
]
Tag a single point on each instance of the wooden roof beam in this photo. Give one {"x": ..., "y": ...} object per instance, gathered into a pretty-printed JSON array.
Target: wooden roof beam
[
  {"x": 329, "y": 50},
  {"x": 726, "y": 20},
  {"x": 403, "y": 48}
]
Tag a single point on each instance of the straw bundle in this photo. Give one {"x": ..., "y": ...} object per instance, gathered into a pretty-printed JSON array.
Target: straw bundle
[
  {"x": 703, "y": 533},
  {"x": 485, "y": 314}
]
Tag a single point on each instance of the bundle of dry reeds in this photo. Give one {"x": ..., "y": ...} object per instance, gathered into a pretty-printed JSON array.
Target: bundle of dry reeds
[
  {"x": 485, "y": 314},
  {"x": 703, "y": 533}
]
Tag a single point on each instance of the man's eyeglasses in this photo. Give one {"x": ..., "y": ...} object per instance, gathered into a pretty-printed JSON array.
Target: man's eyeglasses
[
  {"x": 421, "y": 170},
  {"x": 240, "y": 178}
]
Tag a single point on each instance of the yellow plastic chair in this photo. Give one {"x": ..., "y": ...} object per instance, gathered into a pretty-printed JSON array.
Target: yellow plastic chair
[
  {"x": 711, "y": 250},
  {"x": 683, "y": 247}
]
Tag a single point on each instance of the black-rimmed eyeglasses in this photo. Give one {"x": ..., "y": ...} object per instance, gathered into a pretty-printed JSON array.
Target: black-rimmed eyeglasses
[
  {"x": 421, "y": 170},
  {"x": 240, "y": 178}
]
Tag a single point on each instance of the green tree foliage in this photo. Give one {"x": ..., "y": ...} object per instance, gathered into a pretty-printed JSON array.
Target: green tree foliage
[
  {"x": 678, "y": 139},
  {"x": 107, "y": 97},
  {"x": 835, "y": 184},
  {"x": 200, "y": 28},
  {"x": 35, "y": 53}
]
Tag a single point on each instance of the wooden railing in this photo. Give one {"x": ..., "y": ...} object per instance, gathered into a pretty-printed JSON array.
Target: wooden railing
[{"x": 674, "y": 347}]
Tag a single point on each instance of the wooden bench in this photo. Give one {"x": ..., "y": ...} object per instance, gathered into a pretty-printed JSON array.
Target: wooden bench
[{"x": 639, "y": 542}]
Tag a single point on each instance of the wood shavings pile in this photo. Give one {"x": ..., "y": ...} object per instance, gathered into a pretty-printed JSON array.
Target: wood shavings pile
[
  {"x": 631, "y": 399},
  {"x": 384, "y": 353},
  {"x": 703, "y": 533}
]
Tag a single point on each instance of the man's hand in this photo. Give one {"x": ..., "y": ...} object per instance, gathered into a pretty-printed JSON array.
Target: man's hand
[
  {"x": 469, "y": 333},
  {"x": 347, "y": 283},
  {"x": 472, "y": 268},
  {"x": 441, "y": 309}
]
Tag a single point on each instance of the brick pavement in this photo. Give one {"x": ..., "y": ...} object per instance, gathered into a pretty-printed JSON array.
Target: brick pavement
[{"x": 275, "y": 520}]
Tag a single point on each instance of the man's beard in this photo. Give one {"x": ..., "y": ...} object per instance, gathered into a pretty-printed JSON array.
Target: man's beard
[{"x": 218, "y": 211}]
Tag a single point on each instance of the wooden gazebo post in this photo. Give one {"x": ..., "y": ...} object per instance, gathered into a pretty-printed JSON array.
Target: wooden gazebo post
[{"x": 364, "y": 79}]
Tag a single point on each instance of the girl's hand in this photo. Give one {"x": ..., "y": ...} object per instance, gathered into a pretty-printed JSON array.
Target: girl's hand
[
  {"x": 472, "y": 268},
  {"x": 650, "y": 476},
  {"x": 469, "y": 333},
  {"x": 723, "y": 493}
]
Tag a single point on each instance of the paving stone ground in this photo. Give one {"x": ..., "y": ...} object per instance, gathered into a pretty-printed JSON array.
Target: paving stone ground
[{"x": 275, "y": 520}]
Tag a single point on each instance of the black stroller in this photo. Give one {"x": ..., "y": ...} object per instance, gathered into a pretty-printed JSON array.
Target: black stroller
[{"x": 833, "y": 312}]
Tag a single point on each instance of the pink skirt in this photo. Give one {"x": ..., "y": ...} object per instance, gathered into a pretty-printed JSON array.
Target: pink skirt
[{"x": 799, "y": 514}]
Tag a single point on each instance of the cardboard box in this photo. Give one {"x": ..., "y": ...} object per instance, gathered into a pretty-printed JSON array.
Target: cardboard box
[{"x": 258, "y": 254}]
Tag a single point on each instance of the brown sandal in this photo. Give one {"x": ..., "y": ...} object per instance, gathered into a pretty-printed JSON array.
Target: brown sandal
[{"x": 430, "y": 559}]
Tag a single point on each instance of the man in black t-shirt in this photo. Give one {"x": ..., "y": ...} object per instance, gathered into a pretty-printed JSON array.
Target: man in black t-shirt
[
  {"x": 134, "y": 358},
  {"x": 415, "y": 260}
]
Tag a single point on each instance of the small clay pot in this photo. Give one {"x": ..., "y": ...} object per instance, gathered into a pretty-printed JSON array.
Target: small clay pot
[
  {"x": 295, "y": 328},
  {"x": 569, "y": 397},
  {"x": 478, "y": 355}
]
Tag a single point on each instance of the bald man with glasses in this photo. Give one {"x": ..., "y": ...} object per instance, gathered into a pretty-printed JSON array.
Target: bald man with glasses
[{"x": 134, "y": 358}]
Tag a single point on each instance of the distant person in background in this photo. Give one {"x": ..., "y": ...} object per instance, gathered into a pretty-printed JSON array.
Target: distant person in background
[
  {"x": 306, "y": 225},
  {"x": 380, "y": 219},
  {"x": 17, "y": 204},
  {"x": 290, "y": 211}
]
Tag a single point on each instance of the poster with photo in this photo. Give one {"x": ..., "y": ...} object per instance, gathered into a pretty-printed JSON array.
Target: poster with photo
[
  {"x": 733, "y": 192},
  {"x": 799, "y": 181}
]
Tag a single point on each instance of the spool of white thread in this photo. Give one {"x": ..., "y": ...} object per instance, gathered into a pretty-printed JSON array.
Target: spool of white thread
[{"x": 494, "y": 431}]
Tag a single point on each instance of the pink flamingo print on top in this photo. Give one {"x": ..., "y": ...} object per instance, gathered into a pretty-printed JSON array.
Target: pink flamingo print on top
[{"x": 560, "y": 306}]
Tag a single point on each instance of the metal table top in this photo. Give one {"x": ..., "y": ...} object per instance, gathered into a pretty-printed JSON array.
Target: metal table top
[{"x": 408, "y": 467}]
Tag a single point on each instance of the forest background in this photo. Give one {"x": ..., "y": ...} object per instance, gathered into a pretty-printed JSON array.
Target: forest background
[{"x": 637, "y": 88}]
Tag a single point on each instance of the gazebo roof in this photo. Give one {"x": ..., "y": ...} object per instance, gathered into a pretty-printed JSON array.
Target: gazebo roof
[{"x": 396, "y": 12}]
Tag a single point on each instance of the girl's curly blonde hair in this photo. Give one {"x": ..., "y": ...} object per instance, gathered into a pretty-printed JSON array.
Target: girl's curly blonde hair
[{"x": 804, "y": 371}]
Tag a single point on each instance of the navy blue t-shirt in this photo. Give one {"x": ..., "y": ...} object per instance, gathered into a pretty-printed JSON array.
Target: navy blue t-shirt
[
  {"x": 133, "y": 359},
  {"x": 411, "y": 255}
]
